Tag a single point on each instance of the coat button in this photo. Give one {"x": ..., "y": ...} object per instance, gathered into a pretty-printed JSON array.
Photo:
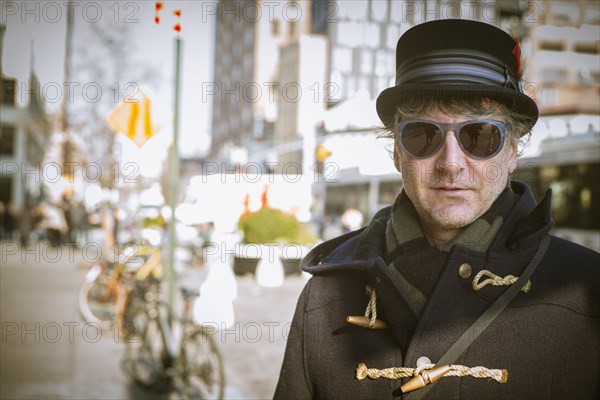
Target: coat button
[
  {"x": 464, "y": 271},
  {"x": 422, "y": 361}
]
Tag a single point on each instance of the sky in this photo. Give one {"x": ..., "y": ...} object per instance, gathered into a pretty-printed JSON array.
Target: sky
[{"x": 43, "y": 24}]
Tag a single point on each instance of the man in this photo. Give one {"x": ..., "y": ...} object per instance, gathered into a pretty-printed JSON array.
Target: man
[{"x": 457, "y": 290}]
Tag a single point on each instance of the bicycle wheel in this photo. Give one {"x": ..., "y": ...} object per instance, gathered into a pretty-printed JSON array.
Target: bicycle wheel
[
  {"x": 97, "y": 301},
  {"x": 145, "y": 355},
  {"x": 202, "y": 373}
]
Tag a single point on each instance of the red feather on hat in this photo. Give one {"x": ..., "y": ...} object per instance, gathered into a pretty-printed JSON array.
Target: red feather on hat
[{"x": 518, "y": 60}]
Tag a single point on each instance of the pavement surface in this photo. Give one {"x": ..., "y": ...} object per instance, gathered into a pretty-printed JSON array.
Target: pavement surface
[{"x": 48, "y": 352}]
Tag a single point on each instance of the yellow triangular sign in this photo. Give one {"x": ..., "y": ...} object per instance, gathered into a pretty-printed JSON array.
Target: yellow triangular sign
[{"x": 133, "y": 119}]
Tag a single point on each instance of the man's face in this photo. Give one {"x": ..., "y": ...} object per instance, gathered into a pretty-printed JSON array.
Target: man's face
[{"x": 449, "y": 189}]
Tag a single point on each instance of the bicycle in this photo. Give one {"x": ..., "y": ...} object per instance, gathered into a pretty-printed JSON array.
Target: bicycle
[
  {"x": 103, "y": 293},
  {"x": 164, "y": 352}
]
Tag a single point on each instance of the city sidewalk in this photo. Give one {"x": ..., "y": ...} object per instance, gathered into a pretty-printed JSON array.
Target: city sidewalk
[{"x": 47, "y": 351}]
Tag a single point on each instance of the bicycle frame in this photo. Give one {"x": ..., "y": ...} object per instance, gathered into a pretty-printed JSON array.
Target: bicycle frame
[
  {"x": 165, "y": 325},
  {"x": 160, "y": 352}
]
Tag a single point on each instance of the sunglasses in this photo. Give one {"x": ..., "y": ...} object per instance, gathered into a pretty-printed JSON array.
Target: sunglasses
[{"x": 480, "y": 139}]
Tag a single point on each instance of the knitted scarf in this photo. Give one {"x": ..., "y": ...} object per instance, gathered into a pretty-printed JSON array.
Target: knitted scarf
[{"x": 416, "y": 264}]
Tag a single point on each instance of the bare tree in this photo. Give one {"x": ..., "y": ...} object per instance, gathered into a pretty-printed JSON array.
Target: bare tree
[{"x": 106, "y": 70}]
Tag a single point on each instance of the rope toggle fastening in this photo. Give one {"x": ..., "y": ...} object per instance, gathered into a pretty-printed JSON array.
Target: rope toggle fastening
[
  {"x": 426, "y": 374},
  {"x": 495, "y": 280},
  {"x": 425, "y": 378},
  {"x": 370, "y": 319}
]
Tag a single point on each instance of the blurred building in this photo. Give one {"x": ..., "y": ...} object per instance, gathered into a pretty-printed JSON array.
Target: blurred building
[
  {"x": 362, "y": 52},
  {"x": 564, "y": 66},
  {"x": 363, "y": 47},
  {"x": 250, "y": 85},
  {"x": 24, "y": 132},
  {"x": 300, "y": 104},
  {"x": 563, "y": 74},
  {"x": 559, "y": 39}
]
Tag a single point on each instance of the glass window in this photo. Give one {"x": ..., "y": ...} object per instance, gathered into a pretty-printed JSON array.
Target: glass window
[
  {"x": 336, "y": 90},
  {"x": 6, "y": 186},
  {"x": 236, "y": 75},
  {"x": 547, "y": 96},
  {"x": 366, "y": 61},
  {"x": 554, "y": 75},
  {"x": 342, "y": 59},
  {"x": 351, "y": 86},
  {"x": 341, "y": 197},
  {"x": 450, "y": 9},
  {"x": 237, "y": 50},
  {"x": 589, "y": 77},
  {"x": 392, "y": 37},
  {"x": 577, "y": 196},
  {"x": 391, "y": 62},
  {"x": 247, "y": 66},
  {"x": 350, "y": 33},
  {"x": 355, "y": 10},
  {"x": 380, "y": 63},
  {"x": 586, "y": 47},
  {"x": 388, "y": 191},
  {"x": 363, "y": 84},
  {"x": 552, "y": 45},
  {"x": 8, "y": 91},
  {"x": 7, "y": 139},
  {"x": 382, "y": 84},
  {"x": 565, "y": 13},
  {"x": 379, "y": 10},
  {"x": 592, "y": 14},
  {"x": 371, "y": 36},
  {"x": 401, "y": 11},
  {"x": 248, "y": 37}
]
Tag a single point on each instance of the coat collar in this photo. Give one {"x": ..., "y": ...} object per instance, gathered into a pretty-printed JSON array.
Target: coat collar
[{"x": 525, "y": 224}]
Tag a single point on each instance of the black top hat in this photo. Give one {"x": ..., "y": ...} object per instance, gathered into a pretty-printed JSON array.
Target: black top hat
[{"x": 456, "y": 55}]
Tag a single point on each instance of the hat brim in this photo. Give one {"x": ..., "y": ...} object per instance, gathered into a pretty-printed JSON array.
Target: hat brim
[{"x": 390, "y": 98}]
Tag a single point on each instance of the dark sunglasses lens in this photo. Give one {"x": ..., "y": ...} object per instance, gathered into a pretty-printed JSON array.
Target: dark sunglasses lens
[
  {"x": 480, "y": 139},
  {"x": 421, "y": 139}
]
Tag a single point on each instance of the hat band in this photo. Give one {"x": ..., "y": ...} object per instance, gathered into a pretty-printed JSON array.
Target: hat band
[{"x": 447, "y": 67}]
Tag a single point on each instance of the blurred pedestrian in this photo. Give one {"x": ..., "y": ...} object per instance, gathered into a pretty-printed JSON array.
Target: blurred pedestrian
[
  {"x": 2, "y": 227},
  {"x": 352, "y": 219},
  {"x": 54, "y": 223},
  {"x": 25, "y": 225},
  {"x": 8, "y": 220},
  {"x": 67, "y": 208},
  {"x": 79, "y": 220}
]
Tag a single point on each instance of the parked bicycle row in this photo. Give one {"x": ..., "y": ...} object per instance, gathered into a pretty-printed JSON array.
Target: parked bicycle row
[{"x": 165, "y": 350}]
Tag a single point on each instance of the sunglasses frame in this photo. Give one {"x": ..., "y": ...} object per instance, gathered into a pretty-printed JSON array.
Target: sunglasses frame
[{"x": 444, "y": 128}]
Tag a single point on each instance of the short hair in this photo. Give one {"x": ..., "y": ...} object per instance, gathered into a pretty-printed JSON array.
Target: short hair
[{"x": 518, "y": 127}]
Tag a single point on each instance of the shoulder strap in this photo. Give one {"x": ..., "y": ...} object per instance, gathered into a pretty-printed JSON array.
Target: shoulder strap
[{"x": 486, "y": 318}]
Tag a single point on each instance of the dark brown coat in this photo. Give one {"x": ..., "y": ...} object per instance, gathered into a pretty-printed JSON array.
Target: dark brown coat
[{"x": 548, "y": 339}]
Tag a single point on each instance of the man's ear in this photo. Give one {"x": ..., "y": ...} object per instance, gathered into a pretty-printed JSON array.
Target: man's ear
[{"x": 397, "y": 162}]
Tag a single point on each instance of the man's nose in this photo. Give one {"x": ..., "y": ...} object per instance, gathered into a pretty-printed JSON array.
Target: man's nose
[{"x": 450, "y": 154}]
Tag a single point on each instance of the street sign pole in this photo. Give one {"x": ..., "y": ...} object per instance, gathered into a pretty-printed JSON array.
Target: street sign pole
[{"x": 173, "y": 177}]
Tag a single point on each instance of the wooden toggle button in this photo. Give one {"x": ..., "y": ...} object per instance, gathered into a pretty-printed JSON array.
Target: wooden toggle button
[
  {"x": 425, "y": 378},
  {"x": 363, "y": 322}
]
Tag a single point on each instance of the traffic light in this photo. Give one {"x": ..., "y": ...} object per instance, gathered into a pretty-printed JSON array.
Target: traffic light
[{"x": 322, "y": 153}]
